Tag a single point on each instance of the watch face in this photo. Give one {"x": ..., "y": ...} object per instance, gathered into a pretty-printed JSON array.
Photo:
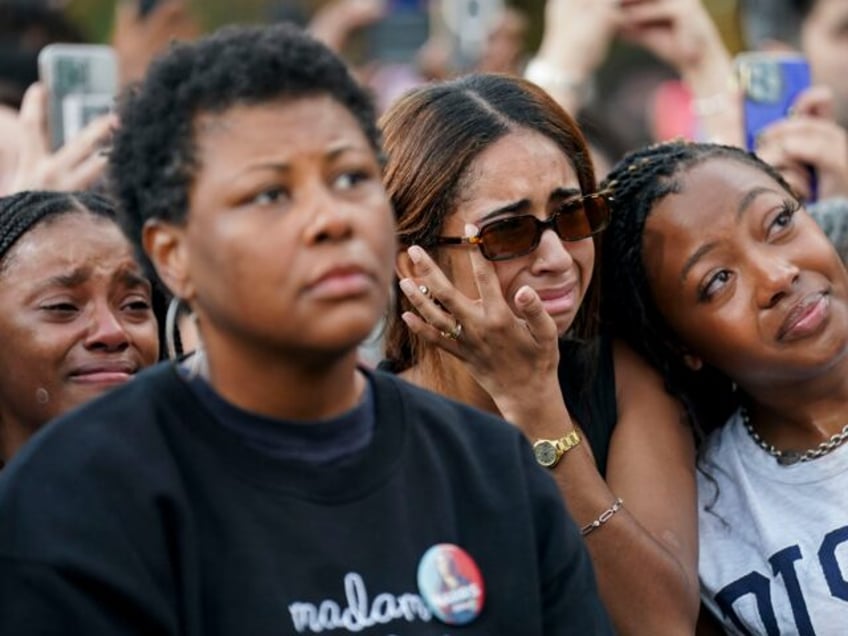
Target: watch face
[{"x": 545, "y": 452}]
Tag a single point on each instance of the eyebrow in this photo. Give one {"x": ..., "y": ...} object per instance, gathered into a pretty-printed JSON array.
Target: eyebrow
[
  {"x": 80, "y": 276},
  {"x": 73, "y": 279},
  {"x": 524, "y": 205},
  {"x": 131, "y": 279},
  {"x": 744, "y": 205},
  {"x": 749, "y": 198},
  {"x": 278, "y": 167},
  {"x": 692, "y": 260}
]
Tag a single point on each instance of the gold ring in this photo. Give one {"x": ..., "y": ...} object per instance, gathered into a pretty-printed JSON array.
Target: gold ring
[{"x": 454, "y": 333}]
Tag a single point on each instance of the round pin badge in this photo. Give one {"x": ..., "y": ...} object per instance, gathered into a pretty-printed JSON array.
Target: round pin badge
[{"x": 450, "y": 583}]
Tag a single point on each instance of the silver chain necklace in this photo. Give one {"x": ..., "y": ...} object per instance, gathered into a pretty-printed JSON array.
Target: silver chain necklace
[{"x": 787, "y": 458}]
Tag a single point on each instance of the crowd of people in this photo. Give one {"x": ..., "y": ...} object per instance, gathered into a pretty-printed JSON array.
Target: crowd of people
[{"x": 291, "y": 347}]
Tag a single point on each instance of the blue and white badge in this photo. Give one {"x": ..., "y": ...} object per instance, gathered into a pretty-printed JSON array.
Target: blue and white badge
[{"x": 450, "y": 583}]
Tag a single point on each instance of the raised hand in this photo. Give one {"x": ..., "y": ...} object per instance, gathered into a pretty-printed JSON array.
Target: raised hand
[
  {"x": 137, "y": 39},
  {"x": 75, "y": 166},
  {"x": 510, "y": 349},
  {"x": 810, "y": 138},
  {"x": 576, "y": 38}
]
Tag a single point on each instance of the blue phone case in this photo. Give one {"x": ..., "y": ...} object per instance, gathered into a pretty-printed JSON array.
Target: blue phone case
[{"x": 770, "y": 85}]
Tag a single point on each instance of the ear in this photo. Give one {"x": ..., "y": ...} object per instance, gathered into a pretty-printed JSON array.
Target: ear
[
  {"x": 165, "y": 245},
  {"x": 693, "y": 362},
  {"x": 403, "y": 264}
]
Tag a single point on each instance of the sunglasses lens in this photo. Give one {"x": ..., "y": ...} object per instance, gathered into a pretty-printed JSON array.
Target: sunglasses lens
[
  {"x": 581, "y": 219},
  {"x": 509, "y": 238}
]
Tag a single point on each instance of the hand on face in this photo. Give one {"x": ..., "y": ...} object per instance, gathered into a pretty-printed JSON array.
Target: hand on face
[
  {"x": 809, "y": 139},
  {"x": 507, "y": 347}
]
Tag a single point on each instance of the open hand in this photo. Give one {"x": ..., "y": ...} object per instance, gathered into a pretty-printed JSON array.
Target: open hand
[{"x": 512, "y": 353}]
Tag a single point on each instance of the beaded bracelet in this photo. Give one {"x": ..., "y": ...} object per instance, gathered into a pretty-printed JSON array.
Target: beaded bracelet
[{"x": 605, "y": 516}]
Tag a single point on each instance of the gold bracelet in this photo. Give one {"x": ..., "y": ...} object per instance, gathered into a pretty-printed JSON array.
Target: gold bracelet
[{"x": 605, "y": 516}]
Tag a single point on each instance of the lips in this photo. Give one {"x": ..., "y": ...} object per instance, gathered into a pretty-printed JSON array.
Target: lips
[
  {"x": 559, "y": 299},
  {"x": 341, "y": 281},
  {"x": 805, "y": 317},
  {"x": 103, "y": 372}
]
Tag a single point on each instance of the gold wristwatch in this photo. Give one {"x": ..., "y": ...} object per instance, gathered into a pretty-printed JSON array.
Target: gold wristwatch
[{"x": 548, "y": 452}]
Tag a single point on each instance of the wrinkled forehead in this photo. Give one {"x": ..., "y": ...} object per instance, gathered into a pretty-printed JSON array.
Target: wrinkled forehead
[{"x": 63, "y": 240}]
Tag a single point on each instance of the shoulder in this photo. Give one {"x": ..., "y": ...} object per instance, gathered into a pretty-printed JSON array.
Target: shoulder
[
  {"x": 639, "y": 387},
  {"x": 120, "y": 417},
  {"x": 113, "y": 442}
]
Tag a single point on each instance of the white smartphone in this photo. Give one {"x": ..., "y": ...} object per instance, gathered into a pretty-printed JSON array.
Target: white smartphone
[{"x": 81, "y": 82}]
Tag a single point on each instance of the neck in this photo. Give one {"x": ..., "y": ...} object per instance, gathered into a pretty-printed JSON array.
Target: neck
[
  {"x": 446, "y": 375},
  {"x": 802, "y": 414},
  {"x": 284, "y": 385}
]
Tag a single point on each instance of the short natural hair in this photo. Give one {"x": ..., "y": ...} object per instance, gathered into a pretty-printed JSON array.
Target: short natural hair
[{"x": 154, "y": 158}]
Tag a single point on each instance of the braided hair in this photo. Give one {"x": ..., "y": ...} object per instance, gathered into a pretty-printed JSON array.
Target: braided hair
[
  {"x": 639, "y": 182},
  {"x": 23, "y": 211}
]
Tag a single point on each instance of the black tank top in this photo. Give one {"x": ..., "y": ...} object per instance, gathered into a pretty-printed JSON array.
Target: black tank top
[{"x": 587, "y": 379}]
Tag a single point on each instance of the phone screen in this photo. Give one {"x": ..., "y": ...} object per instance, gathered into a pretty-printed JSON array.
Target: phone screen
[
  {"x": 81, "y": 82},
  {"x": 770, "y": 85}
]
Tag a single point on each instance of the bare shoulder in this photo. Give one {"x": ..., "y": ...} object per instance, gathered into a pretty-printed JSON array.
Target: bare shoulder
[{"x": 651, "y": 462}]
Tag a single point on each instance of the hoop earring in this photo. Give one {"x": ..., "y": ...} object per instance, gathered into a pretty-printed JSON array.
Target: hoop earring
[{"x": 171, "y": 328}]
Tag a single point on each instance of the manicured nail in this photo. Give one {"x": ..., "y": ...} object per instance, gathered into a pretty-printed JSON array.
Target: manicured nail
[
  {"x": 470, "y": 229},
  {"x": 416, "y": 254},
  {"x": 407, "y": 286},
  {"x": 524, "y": 295}
]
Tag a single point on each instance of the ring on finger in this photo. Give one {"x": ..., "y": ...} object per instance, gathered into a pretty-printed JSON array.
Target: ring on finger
[
  {"x": 424, "y": 290},
  {"x": 454, "y": 333}
]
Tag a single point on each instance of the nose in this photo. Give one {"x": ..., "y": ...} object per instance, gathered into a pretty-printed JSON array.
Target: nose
[
  {"x": 551, "y": 255},
  {"x": 330, "y": 219},
  {"x": 775, "y": 278},
  {"x": 106, "y": 332}
]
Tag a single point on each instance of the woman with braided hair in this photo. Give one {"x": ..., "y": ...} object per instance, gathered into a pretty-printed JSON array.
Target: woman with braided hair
[
  {"x": 76, "y": 314},
  {"x": 719, "y": 277}
]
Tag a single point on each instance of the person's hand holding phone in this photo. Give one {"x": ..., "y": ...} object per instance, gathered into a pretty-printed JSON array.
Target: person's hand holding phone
[
  {"x": 809, "y": 138},
  {"x": 75, "y": 166}
]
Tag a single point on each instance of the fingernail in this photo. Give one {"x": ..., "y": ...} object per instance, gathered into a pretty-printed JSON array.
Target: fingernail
[
  {"x": 406, "y": 317},
  {"x": 416, "y": 254},
  {"x": 407, "y": 286},
  {"x": 470, "y": 229},
  {"x": 524, "y": 295}
]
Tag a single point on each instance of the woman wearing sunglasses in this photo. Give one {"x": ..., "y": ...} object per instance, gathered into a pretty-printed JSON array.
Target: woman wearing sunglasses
[{"x": 499, "y": 221}]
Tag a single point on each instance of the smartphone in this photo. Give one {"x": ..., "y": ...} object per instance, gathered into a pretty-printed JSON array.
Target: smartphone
[
  {"x": 402, "y": 31},
  {"x": 770, "y": 83},
  {"x": 470, "y": 22},
  {"x": 81, "y": 82}
]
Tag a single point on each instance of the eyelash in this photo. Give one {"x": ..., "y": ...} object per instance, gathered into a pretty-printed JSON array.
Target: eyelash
[{"x": 787, "y": 214}]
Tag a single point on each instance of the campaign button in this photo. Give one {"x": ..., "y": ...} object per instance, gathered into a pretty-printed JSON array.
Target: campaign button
[{"x": 450, "y": 583}]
